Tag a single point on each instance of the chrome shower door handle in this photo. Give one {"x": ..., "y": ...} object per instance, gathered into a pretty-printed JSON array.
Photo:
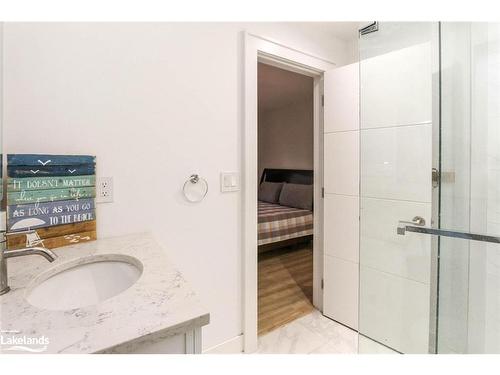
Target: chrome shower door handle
[
  {"x": 408, "y": 226},
  {"x": 417, "y": 221}
]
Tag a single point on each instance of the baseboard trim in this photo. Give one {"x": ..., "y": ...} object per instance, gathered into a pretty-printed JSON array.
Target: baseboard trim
[{"x": 231, "y": 346}]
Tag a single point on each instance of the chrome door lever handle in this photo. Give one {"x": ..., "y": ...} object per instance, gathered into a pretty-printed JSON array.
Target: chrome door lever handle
[{"x": 402, "y": 226}]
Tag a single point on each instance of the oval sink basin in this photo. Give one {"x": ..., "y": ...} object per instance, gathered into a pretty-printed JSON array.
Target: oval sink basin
[{"x": 84, "y": 282}]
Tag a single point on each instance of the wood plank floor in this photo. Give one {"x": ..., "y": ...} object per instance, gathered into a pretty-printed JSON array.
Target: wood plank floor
[{"x": 285, "y": 286}]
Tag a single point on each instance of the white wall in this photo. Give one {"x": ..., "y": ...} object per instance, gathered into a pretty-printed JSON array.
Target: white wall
[{"x": 155, "y": 102}]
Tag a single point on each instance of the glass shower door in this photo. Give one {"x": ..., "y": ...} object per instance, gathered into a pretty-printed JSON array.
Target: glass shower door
[
  {"x": 468, "y": 314},
  {"x": 398, "y": 76},
  {"x": 430, "y": 188}
]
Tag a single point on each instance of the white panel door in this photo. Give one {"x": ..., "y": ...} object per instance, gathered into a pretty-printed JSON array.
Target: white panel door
[
  {"x": 341, "y": 201},
  {"x": 341, "y": 87}
]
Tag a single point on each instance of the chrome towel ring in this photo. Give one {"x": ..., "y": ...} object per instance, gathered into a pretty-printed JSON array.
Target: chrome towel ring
[{"x": 195, "y": 188}]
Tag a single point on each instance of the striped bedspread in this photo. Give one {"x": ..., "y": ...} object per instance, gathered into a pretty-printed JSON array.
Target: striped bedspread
[{"x": 279, "y": 223}]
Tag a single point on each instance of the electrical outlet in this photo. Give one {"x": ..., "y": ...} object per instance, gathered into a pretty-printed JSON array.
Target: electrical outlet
[{"x": 104, "y": 193}]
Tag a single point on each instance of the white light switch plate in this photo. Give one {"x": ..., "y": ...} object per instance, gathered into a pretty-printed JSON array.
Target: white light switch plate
[
  {"x": 229, "y": 181},
  {"x": 104, "y": 190}
]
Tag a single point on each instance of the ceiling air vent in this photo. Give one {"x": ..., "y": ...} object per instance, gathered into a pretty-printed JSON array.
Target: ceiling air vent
[{"x": 371, "y": 28}]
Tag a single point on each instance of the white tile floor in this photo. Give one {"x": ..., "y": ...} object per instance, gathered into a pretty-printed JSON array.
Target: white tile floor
[{"x": 311, "y": 334}]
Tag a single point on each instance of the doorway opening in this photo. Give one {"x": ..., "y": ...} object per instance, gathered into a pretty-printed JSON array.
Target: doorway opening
[
  {"x": 257, "y": 50},
  {"x": 285, "y": 196}
]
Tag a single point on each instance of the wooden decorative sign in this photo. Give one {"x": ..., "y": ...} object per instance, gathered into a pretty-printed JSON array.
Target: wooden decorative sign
[{"x": 53, "y": 195}]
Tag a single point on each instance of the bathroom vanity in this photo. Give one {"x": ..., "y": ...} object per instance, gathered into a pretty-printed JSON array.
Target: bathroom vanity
[{"x": 116, "y": 295}]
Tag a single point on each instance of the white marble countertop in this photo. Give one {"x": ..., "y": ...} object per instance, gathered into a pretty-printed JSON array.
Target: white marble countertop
[{"x": 160, "y": 304}]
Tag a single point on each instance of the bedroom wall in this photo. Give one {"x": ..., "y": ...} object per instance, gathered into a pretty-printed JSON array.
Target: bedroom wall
[
  {"x": 155, "y": 102},
  {"x": 286, "y": 134}
]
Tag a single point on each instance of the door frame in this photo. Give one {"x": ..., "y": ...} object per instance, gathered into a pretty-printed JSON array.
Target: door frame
[{"x": 260, "y": 49}]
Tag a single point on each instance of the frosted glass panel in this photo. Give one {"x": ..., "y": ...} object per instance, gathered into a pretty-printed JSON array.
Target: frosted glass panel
[
  {"x": 455, "y": 185},
  {"x": 469, "y": 289}
]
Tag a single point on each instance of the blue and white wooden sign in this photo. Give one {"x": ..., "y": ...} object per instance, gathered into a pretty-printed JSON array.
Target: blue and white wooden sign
[{"x": 53, "y": 194}]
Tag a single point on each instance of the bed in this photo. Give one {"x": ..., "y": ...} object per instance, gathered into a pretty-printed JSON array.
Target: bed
[{"x": 284, "y": 221}]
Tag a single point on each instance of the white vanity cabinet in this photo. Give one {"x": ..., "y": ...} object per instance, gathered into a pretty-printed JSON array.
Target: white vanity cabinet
[{"x": 182, "y": 343}]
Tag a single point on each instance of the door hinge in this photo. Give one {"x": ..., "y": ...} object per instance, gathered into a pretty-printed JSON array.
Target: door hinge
[
  {"x": 322, "y": 192},
  {"x": 435, "y": 177},
  {"x": 322, "y": 100},
  {"x": 322, "y": 283}
]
